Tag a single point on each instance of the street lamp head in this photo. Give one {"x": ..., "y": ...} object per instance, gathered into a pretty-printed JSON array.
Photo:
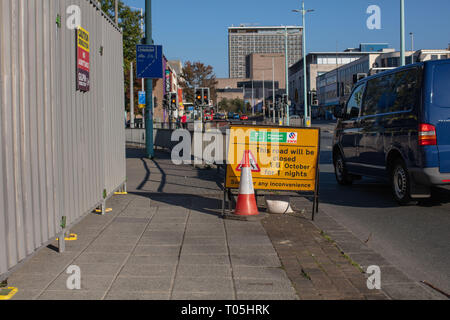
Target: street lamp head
[{"x": 296, "y": 10}]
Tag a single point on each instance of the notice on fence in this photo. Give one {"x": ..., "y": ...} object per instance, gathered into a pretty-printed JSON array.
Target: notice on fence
[
  {"x": 83, "y": 63},
  {"x": 281, "y": 158}
]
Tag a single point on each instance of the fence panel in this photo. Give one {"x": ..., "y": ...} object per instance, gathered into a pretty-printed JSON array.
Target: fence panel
[{"x": 59, "y": 148}]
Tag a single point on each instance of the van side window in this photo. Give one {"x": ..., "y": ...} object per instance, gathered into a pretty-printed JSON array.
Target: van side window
[
  {"x": 378, "y": 96},
  {"x": 441, "y": 87},
  {"x": 354, "y": 103},
  {"x": 405, "y": 90}
]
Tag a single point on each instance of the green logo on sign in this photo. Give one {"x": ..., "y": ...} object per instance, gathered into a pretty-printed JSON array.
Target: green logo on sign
[{"x": 278, "y": 137}]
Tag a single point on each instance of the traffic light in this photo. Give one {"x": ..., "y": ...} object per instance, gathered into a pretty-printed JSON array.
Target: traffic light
[
  {"x": 206, "y": 96},
  {"x": 285, "y": 99},
  {"x": 166, "y": 101},
  {"x": 173, "y": 101},
  {"x": 198, "y": 96}
]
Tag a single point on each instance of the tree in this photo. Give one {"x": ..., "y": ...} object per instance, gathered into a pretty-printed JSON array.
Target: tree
[
  {"x": 129, "y": 22},
  {"x": 232, "y": 105},
  {"x": 197, "y": 74}
]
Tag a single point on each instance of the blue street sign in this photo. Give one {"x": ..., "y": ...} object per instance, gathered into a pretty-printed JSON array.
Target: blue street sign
[
  {"x": 190, "y": 108},
  {"x": 141, "y": 98},
  {"x": 149, "y": 61}
]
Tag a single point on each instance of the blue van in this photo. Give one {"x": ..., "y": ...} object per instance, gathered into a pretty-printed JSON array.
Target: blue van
[{"x": 396, "y": 125}]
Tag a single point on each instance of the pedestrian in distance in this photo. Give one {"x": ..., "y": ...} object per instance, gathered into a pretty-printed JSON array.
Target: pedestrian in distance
[{"x": 184, "y": 121}]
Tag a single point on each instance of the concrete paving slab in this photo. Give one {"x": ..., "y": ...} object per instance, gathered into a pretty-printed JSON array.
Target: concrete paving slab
[
  {"x": 266, "y": 296},
  {"x": 195, "y": 284},
  {"x": 71, "y": 295},
  {"x": 273, "y": 273},
  {"x": 203, "y": 295},
  {"x": 264, "y": 285},
  {"x": 140, "y": 284},
  {"x": 243, "y": 250},
  {"x": 200, "y": 241},
  {"x": 131, "y": 295},
  {"x": 204, "y": 260},
  {"x": 162, "y": 226},
  {"x": 156, "y": 250},
  {"x": 204, "y": 271},
  {"x": 41, "y": 267},
  {"x": 31, "y": 281},
  {"x": 99, "y": 257},
  {"x": 410, "y": 291},
  {"x": 204, "y": 249},
  {"x": 133, "y": 269},
  {"x": 154, "y": 260},
  {"x": 110, "y": 248},
  {"x": 248, "y": 241},
  {"x": 107, "y": 239},
  {"x": 255, "y": 260},
  {"x": 99, "y": 269},
  {"x": 88, "y": 282},
  {"x": 26, "y": 294},
  {"x": 152, "y": 239}
]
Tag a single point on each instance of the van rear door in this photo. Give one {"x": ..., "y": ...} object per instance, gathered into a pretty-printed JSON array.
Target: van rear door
[{"x": 438, "y": 111}]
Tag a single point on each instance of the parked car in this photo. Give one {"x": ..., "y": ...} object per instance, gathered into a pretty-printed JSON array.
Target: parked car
[
  {"x": 244, "y": 117},
  {"x": 396, "y": 125},
  {"x": 236, "y": 116}
]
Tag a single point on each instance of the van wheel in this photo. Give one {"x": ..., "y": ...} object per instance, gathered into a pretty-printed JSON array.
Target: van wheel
[
  {"x": 400, "y": 183},
  {"x": 340, "y": 170}
]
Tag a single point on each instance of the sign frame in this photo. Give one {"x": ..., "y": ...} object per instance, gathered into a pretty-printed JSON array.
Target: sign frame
[{"x": 227, "y": 191}]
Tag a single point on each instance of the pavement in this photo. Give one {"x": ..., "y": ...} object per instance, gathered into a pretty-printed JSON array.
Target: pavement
[{"x": 166, "y": 240}]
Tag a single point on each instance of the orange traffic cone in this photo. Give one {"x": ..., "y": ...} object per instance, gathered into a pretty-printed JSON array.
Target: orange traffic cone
[{"x": 246, "y": 201}]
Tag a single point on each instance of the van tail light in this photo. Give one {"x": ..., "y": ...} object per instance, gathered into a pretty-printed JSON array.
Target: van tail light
[{"x": 427, "y": 135}]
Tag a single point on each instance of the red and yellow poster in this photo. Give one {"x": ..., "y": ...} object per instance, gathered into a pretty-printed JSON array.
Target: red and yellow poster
[{"x": 83, "y": 64}]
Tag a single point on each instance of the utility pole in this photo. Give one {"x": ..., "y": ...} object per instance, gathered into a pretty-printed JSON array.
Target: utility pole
[
  {"x": 287, "y": 75},
  {"x": 305, "y": 82},
  {"x": 149, "y": 85},
  {"x": 412, "y": 40},
  {"x": 142, "y": 32},
  {"x": 402, "y": 33},
  {"x": 131, "y": 97},
  {"x": 273, "y": 88},
  {"x": 253, "y": 100},
  {"x": 264, "y": 97}
]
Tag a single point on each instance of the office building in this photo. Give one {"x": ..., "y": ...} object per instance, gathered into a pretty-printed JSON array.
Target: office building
[
  {"x": 334, "y": 87},
  {"x": 243, "y": 41}
]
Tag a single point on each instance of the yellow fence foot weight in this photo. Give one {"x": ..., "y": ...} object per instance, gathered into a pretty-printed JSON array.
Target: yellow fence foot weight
[
  {"x": 7, "y": 293},
  {"x": 70, "y": 237},
  {"x": 106, "y": 210}
]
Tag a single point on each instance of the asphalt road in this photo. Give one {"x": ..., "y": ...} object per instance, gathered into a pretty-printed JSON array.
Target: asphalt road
[{"x": 415, "y": 238}]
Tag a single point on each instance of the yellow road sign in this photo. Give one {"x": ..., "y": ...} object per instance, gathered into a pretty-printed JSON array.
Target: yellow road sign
[{"x": 287, "y": 157}]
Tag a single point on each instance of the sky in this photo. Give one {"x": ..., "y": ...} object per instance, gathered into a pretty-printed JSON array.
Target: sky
[{"x": 196, "y": 30}]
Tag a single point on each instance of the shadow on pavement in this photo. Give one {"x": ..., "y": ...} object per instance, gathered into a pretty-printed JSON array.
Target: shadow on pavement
[{"x": 208, "y": 205}]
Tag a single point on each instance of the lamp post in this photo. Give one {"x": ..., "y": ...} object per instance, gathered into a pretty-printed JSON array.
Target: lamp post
[
  {"x": 149, "y": 85},
  {"x": 305, "y": 95},
  {"x": 287, "y": 73},
  {"x": 273, "y": 88},
  {"x": 402, "y": 33}
]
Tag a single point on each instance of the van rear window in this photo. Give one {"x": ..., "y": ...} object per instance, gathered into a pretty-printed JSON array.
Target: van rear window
[{"x": 441, "y": 85}]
